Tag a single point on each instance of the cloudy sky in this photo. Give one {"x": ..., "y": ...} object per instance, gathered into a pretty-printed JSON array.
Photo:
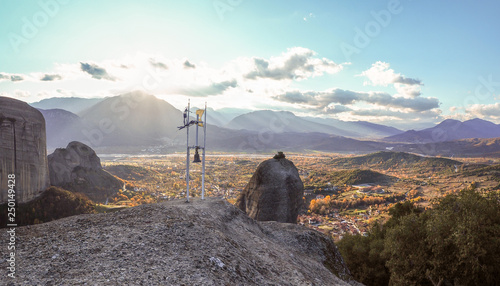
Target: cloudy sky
[{"x": 401, "y": 63}]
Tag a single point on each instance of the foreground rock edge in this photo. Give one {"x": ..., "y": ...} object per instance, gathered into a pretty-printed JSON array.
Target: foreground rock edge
[{"x": 207, "y": 242}]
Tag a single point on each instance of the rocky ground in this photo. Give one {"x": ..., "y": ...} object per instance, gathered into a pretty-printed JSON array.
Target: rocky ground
[{"x": 206, "y": 242}]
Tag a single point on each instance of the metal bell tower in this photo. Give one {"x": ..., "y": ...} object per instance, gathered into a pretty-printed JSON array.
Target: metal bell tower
[{"x": 199, "y": 123}]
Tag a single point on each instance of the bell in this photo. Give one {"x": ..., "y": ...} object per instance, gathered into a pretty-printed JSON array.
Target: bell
[{"x": 196, "y": 157}]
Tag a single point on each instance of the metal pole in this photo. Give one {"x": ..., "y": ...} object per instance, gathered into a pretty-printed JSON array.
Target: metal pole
[
  {"x": 203, "y": 163},
  {"x": 187, "y": 157},
  {"x": 197, "y": 119}
]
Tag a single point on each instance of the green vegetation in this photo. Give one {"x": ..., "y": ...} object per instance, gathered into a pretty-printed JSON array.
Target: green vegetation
[
  {"x": 54, "y": 203},
  {"x": 329, "y": 203},
  {"x": 347, "y": 177},
  {"x": 391, "y": 160},
  {"x": 493, "y": 171},
  {"x": 457, "y": 242}
]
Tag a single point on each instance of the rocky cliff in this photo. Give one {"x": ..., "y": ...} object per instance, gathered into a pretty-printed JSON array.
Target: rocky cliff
[
  {"x": 77, "y": 168},
  {"x": 23, "y": 149},
  {"x": 207, "y": 242}
]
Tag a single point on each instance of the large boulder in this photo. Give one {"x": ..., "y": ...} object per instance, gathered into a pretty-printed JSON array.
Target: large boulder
[
  {"x": 23, "y": 150},
  {"x": 77, "y": 168},
  {"x": 274, "y": 193}
]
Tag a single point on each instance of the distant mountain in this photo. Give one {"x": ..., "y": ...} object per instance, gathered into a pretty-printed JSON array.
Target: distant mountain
[
  {"x": 449, "y": 130},
  {"x": 473, "y": 147},
  {"x": 217, "y": 117},
  {"x": 279, "y": 122},
  {"x": 244, "y": 141},
  {"x": 223, "y": 116},
  {"x": 62, "y": 127},
  {"x": 359, "y": 129},
  {"x": 137, "y": 122},
  {"x": 72, "y": 104},
  {"x": 387, "y": 160},
  {"x": 132, "y": 119}
]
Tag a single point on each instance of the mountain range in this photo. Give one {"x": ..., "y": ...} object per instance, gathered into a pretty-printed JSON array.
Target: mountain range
[
  {"x": 449, "y": 130},
  {"x": 62, "y": 127},
  {"x": 139, "y": 122},
  {"x": 71, "y": 104},
  {"x": 132, "y": 119}
]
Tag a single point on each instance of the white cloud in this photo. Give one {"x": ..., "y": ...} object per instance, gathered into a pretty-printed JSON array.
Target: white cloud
[
  {"x": 405, "y": 90},
  {"x": 491, "y": 111},
  {"x": 295, "y": 64},
  {"x": 96, "y": 71},
  {"x": 215, "y": 88},
  {"x": 11, "y": 77},
  {"x": 321, "y": 100},
  {"x": 156, "y": 74},
  {"x": 381, "y": 74},
  {"x": 248, "y": 82},
  {"x": 51, "y": 77}
]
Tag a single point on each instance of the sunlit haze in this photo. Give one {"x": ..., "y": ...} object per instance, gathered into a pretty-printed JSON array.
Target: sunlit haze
[{"x": 398, "y": 63}]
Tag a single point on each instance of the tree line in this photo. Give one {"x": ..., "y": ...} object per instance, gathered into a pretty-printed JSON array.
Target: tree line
[{"x": 456, "y": 242}]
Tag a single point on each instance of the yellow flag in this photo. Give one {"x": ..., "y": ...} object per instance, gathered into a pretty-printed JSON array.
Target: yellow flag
[{"x": 199, "y": 112}]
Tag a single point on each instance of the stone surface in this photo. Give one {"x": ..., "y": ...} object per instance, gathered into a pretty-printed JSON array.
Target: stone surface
[
  {"x": 208, "y": 242},
  {"x": 77, "y": 168},
  {"x": 25, "y": 153},
  {"x": 274, "y": 193}
]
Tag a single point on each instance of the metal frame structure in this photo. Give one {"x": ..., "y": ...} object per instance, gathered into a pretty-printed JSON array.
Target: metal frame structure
[{"x": 187, "y": 124}]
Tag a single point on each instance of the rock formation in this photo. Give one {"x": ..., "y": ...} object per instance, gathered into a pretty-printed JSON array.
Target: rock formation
[
  {"x": 77, "y": 168},
  {"x": 274, "y": 192},
  {"x": 207, "y": 242},
  {"x": 23, "y": 150}
]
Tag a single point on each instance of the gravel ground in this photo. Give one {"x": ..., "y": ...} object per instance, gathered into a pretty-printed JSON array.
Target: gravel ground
[{"x": 206, "y": 242}]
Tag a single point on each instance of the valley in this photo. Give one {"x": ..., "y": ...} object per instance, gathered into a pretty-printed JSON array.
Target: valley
[{"x": 343, "y": 193}]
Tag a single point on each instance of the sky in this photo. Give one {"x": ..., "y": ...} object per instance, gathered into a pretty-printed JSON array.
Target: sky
[{"x": 407, "y": 64}]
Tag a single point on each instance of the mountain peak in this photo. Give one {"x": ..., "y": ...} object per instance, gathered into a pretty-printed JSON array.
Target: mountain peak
[
  {"x": 478, "y": 121},
  {"x": 448, "y": 122},
  {"x": 449, "y": 130}
]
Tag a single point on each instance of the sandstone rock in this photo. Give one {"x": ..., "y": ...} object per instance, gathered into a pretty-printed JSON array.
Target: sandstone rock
[
  {"x": 274, "y": 193},
  {"x": 207, "y": 242},
  {"x": 23, "y": 150},
  {"x": 77, "y": 168}
]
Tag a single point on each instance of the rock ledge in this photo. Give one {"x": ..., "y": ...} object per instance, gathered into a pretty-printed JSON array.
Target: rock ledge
[{"x": 207, "y": 242}]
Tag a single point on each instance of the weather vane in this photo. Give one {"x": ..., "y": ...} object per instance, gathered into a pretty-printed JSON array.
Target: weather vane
[{"x": 199, "y": 123}]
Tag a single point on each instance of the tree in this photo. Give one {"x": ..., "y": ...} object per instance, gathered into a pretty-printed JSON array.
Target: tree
[
  {"x": 456, "y": 242},
  {"x": 463, "y": 234},
  {"x": 364, "y": 257},
  {"x": 406, "y": 248}
]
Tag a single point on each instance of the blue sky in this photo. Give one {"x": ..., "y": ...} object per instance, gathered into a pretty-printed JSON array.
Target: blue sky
[{"x": 401, "y": 63}]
